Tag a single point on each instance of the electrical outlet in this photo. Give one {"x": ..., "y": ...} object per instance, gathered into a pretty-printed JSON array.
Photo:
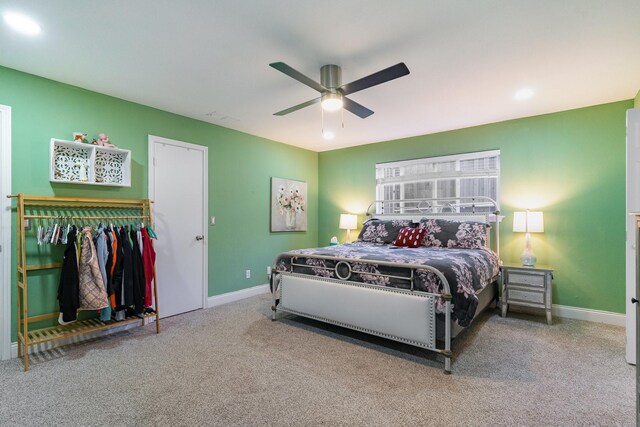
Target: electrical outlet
[
  {"x": 248, "y": 274},
  {"x": 269, "y": 270}
]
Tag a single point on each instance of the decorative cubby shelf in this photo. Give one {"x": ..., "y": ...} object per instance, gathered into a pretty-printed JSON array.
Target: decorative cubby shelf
[{"x": 79, "y": 163}]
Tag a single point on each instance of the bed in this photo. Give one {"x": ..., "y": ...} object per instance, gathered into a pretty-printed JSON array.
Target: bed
[{"x": 422, "y": 288}]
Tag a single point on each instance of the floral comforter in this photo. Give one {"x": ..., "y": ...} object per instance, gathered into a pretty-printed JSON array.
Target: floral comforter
[{"x": 467, "y": 270}]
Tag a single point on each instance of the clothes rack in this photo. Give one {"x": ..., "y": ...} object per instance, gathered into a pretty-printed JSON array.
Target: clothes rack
[{"x": 69, "y": 208}]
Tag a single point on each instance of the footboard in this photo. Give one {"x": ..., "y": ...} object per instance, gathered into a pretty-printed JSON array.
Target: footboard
[
  {"x": 392, "y": 313},
  {"x": 402, "y": 315}
]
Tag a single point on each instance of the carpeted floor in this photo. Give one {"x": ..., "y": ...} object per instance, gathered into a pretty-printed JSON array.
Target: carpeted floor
[{"x": 232, "y": 365}]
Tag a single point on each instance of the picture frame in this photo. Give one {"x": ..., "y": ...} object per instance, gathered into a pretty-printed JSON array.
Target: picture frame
[{"x": 288, "y": 205}]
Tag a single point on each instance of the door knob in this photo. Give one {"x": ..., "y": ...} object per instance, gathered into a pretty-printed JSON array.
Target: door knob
[
  {"x": 199, "y": 237},
  {"x": 634, "y": 301}
]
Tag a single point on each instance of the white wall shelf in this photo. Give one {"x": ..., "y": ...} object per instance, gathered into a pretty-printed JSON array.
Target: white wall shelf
[{"x": 79, "y": 163}]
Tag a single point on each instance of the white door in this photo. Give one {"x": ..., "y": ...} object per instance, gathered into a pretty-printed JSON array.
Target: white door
[
  {"x": 5, "y": 232},
  {"x": 633, "y": 205},
  {"x": 178, "y": 187}
]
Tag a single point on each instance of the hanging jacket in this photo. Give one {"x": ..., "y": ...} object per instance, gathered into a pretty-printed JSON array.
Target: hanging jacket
[
  {"x": 148, "y": 262},
  {"x": 127, "y": 268},
  {"x": 68, "y": 293},
  {"x": 92, "y": 292},
  {"x": 138, "y": 274},
  {"x": 116, "y": 270},
  {"x": 100, "y": 242},
  {"x": 108, "y": 269}
]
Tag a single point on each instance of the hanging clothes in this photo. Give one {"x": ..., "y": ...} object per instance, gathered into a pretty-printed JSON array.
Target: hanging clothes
[
  {"x": 68, "y": 287},
  {"x": 107, "y": 267},
  {"x": 148, "y": 261},
  {"x": 100, "y": 242},
  {"x": 92, "y": 291},
  {"x": 116, "y": 279},
  {"x": 127, "y": 268},
  {"x": 118, "y": 276},
  {"x": 138, "y": 274},
  {"x": 140, "y": 242}
]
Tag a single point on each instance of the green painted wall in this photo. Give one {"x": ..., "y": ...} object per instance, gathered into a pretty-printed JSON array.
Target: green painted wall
[
  {"x": 570, "y": 165},
  {"x": 240, "y": 167},
  {"x": 636, "y": 101}
]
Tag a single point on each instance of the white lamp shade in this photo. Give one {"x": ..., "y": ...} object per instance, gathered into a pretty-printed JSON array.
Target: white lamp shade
[
  {"x": 348, "y": 222},
  {"x": 519, "y": 222},
  {"x": 535, "y": 222},
  {"x": 528, "y": 222}
]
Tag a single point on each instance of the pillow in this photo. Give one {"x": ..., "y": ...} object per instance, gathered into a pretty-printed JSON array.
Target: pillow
[
  {"x": 444, "y": 233},
  {"x": 382, "y": 231},
  {"x": 410, "y": 237}
]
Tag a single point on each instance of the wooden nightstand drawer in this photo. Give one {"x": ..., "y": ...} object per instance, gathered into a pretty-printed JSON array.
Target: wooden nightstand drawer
[
  {"x": 525, "y": 296},
  {"x": 526, "y": 279}
]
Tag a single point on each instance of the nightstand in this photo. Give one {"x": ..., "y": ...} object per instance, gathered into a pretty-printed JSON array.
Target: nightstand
[{"x": 527, "y": 287}]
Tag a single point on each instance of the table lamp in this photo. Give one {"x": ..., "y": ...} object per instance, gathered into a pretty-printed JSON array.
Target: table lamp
[
  {"x": 528, "y": 222},
  {"x": 348, "y": 222}
]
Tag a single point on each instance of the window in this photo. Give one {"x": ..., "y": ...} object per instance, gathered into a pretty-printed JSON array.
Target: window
[{"x": 460, "y": 175}]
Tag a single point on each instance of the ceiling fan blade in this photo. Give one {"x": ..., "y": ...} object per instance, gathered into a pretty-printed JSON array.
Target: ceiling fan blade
[
  {"x": 374, "y": 79},
  {"x": 284, "y": 68},
  {"x": 357, "y": 109},
  {"x": 297, "y": 107}
]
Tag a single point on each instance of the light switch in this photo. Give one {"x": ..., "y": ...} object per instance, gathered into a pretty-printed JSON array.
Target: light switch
[{"x": 212, "y": 221}]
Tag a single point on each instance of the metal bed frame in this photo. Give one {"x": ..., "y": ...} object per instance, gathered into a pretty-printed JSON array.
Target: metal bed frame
[{"x": 360, "y": 306}]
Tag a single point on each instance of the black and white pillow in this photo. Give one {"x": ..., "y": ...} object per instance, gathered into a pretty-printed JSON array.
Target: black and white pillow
[
  {"x": 442, "y": 233},
  {"x": 382, "y": 231}
]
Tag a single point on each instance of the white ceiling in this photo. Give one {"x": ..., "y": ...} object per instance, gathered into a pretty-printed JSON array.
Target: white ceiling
[{"x": 208, "y": 59}]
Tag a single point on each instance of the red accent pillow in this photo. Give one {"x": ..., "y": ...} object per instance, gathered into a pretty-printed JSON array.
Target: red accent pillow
[{"x": 410, "y": 237}]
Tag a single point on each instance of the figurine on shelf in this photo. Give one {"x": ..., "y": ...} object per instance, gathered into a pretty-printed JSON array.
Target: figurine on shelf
[
  {"x": 103, "y": 141},
  {"x": 94, "y": 142},
  {"x": 82, "y": 173},
  {"x": 79, "y": 137}
]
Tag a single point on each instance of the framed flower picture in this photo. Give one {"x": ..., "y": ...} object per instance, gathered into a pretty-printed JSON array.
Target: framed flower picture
[{"x": 288, "y": 205}]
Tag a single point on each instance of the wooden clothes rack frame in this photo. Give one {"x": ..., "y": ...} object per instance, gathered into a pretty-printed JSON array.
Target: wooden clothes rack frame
[{"x": 83, "y": 209}]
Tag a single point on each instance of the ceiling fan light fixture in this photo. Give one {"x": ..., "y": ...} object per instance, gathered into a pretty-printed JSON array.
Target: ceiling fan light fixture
[
  {"x": 333, "y": 94},
  {"x": 331, "y": 101}
]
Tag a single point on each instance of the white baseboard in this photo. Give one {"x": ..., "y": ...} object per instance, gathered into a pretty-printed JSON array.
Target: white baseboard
[
  {"x": 50, "y": 345},
  {"x": 577, "y": 313},
  {"x": 598, "y": 316},
  {"x": 217, "y": 300}
]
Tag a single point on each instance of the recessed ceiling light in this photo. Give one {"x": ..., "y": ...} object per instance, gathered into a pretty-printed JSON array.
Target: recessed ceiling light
[
  {"x": 22, "y": 23},
  {"x": 328, "y": 135},
  {"x": 523, "y": 94}
]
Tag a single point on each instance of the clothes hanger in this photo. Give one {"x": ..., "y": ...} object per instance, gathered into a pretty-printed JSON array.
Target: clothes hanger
[
  {"x": 54, "y": 235},
  {"x": 39, "y": 232},
  {"x": 152, "y": 233}
]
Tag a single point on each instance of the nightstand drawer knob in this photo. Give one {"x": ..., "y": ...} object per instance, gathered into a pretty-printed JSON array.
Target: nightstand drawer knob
[{"x": 634, "y": 301}]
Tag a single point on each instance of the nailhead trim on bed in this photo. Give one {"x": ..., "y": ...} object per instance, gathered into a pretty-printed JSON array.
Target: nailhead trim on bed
[{"x": 430, "y": 324}]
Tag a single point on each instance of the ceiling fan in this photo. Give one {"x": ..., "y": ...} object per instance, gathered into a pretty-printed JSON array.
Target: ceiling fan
[{"x": 333, "y": 92}]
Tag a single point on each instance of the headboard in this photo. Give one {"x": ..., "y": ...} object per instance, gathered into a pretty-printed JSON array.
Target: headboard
[{"x": 477, "y": 209}]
